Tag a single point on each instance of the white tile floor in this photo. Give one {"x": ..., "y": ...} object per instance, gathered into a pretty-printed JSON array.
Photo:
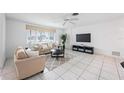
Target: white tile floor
[{"x": 81, "y": 67}]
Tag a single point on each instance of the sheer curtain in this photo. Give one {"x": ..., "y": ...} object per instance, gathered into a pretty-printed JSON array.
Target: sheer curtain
[
  {"x": 40, "y": 34},
  {"x": 37, "y": 36}
]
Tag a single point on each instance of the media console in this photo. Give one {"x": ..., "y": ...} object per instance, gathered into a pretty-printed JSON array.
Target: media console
[{"x": 85, "y": 49}]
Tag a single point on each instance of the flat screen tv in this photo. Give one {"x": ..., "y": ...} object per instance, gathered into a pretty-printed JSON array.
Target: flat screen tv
[{"x": 83, "y": 37}]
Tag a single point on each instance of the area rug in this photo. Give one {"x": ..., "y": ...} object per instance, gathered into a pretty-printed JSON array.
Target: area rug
[{"x": 53, "y": 63}]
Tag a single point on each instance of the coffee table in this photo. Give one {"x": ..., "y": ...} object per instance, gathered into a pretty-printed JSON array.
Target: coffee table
[{"x": 57, "y": 53}]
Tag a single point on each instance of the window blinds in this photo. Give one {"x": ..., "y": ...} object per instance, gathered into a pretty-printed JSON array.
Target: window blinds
[{"x": 39, "y": 28}]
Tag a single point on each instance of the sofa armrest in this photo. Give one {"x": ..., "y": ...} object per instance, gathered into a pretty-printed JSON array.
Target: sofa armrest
[
  {"x": 30, "y": 66},
  {"x": 43, "y": 57}
]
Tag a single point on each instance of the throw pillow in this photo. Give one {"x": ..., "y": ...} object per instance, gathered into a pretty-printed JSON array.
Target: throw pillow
[
  {"x": 50, "y": 45},
  {"x": 21, "y": 54}
]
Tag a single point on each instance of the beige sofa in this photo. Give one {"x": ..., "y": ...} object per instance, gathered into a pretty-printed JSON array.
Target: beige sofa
[
  {"x": 28, "y": 66},
  {"x": 44, "y": 48}
]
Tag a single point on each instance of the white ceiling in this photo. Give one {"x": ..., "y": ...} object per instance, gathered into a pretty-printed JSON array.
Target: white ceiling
[{"x": 56, "y": 19}]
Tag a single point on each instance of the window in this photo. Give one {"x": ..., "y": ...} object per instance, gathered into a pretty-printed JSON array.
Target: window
[{"x": 38, "y": 36}]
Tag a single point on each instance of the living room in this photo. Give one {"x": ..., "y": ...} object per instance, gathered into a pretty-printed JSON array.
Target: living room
[
  {"x": 61, "y": 46},
  {"x": 90, "y": 43}
]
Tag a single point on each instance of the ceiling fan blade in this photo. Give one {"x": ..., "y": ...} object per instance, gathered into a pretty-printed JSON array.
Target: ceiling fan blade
[
  {"x": 64, "y": 23},
  {"x": 71, "y": 22},
  {"x": 74, "y": 19},
  {"x": 66, "y": 19}
]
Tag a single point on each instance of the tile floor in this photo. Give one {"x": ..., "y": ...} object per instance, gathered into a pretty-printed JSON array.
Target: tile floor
[{"x": 81, "y": 67}]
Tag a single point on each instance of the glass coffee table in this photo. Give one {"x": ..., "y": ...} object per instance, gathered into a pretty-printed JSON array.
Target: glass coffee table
[{"x": 57, "y": 53}]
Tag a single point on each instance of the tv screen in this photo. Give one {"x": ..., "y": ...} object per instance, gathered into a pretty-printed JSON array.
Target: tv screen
[{"x": 83, "y": 37}]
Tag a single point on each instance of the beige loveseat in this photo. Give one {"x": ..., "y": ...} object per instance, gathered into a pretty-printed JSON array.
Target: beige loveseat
[
  {"x": 28, "y": 66},
  {"x": 43, "y": 48}
]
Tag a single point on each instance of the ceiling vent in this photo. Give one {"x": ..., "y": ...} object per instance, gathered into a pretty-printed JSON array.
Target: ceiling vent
[{"x": 115, "y": 53}]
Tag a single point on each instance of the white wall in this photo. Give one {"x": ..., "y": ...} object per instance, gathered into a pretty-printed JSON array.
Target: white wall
[
  {"x": 16, "y": 36},
  {"x": 105, "y": 37},
  {"x": 2, "y": 39},
  {"x": 58, "y": 34}
]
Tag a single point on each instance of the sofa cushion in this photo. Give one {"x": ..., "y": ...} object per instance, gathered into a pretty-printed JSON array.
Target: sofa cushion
[
  {"x": 36, "y": 47},
  {"x": 32, "y": 53},
  {"x": 50, "y": 45},
  {"x": 54, "y": 45},
  {"x": 45, "y": 46},
  {"x": 21, "y": 54}
]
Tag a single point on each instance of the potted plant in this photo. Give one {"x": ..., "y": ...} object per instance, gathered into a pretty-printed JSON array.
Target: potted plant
[{"x": 63, "y": 38}]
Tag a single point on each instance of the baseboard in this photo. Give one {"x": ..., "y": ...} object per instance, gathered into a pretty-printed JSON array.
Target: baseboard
[
  {"x": 2, "y": 64},
  {"x": 103, "y": 52}
]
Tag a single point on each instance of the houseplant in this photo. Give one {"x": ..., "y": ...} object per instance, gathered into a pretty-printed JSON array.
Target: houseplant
[{"x": 63, "y": 38}]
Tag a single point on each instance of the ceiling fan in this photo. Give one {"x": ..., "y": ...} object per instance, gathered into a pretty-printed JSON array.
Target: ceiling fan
[{"x": 71, "y": 19}]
